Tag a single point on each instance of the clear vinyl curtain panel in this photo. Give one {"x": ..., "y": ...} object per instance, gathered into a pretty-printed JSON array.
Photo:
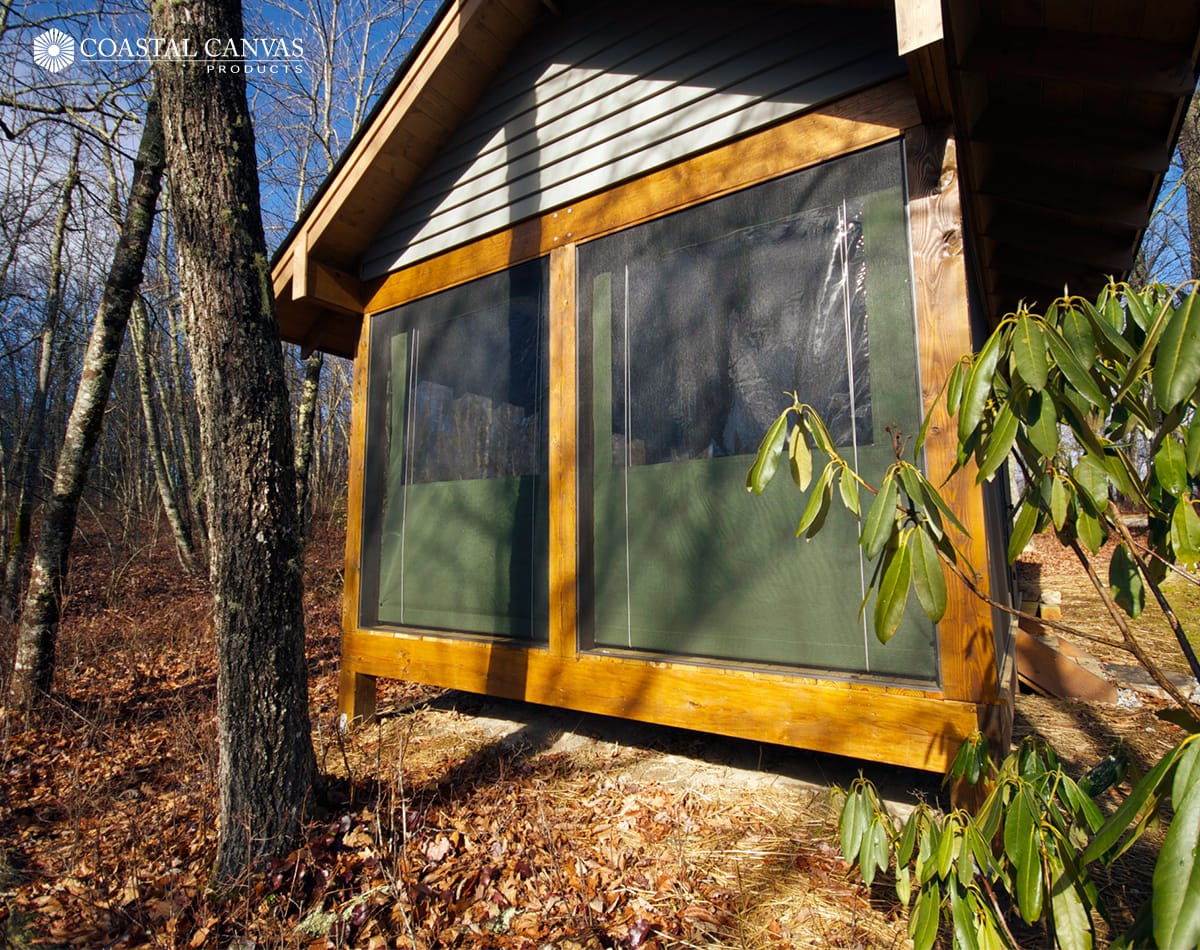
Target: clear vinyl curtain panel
[
  {"x": 455, "y": 514},
  {"x": 697, "y": 326}
]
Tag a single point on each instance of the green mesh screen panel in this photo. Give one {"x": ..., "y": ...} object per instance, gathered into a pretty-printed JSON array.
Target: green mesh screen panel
[
  {"x": 692, "y": 329},
  {"x": 455, "y": 508}
]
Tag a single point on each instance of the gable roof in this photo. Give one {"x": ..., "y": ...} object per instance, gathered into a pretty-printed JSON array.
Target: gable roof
[{"x": 1065, "y": 112}]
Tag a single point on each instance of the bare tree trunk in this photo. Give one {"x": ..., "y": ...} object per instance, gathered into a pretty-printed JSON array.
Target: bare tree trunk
[
  {"x": 305, "y": 422},
  {"x": 33, "y": 668},
  {"x": 29, "y": 457},
  {"x": 191, "y": 482},
  {"x": 1189, "y": 151},
  {"x": 267, "y": 766},
  {"x": 180, "y": 529}
]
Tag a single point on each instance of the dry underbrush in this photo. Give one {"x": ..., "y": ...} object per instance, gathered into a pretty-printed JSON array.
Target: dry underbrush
[{"x": 428, "y": 834}]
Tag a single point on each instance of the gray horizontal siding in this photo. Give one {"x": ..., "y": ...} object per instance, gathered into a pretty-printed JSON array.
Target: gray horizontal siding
[{"x": 608, "y": 95}]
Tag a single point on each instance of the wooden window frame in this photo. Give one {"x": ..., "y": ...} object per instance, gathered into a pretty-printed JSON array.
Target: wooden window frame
[{"x": 891, "y": 723}]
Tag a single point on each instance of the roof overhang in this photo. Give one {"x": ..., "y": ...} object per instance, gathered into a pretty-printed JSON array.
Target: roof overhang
[{"x": 1065, "y": 116}]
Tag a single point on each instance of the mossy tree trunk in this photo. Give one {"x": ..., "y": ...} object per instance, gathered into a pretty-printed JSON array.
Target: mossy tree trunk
[{"x": 267, "y": 766}]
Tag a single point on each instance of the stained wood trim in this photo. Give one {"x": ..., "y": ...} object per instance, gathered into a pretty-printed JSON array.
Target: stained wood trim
[
  {"x": 900, "y": 727},
  {"x": 563, "y": 489},
  {"x": 354, "y": 496},
  {"x": 967, "y": 647},
  {"x": 868, "y": 118}
]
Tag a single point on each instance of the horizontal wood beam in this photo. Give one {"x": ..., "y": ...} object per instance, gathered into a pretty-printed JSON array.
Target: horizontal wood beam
[
  {"x": 1061, "y": 200},
  {"x": 1102, "y": 62},
  {"x": 903, "y": 727},
  {"x": 1092, "y": 248},
  {"x": 1014, "y": 138}
]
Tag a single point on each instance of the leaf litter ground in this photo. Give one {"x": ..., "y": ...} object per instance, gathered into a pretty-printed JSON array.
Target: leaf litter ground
[{"x": 451, "y": 821}]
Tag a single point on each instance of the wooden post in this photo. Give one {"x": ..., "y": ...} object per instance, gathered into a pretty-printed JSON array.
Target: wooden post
[
  {"x": 968, "y": 651},
  {"x": 356, "y": 691},
  {"x": 356, "y": 696}
]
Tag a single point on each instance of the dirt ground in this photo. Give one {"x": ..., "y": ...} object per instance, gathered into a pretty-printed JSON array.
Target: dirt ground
[{"x": 453, "y": 820}]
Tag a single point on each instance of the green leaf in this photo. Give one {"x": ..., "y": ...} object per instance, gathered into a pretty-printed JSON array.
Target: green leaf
[
  {"x": 1077, "y": 331},
  {"x": 908, "y": 840},
  {"x": 1075, "y": 371},
  {"x": 893, "y": 592},
  {"x": 881, "y": 517},
  {"x": 1110, "y": 309},
  {"x": 1180, "y": 718},
  {"x": 817, "y": 508},
  {"x": 1170, "y": 467},
  {"x": 1111, "y": 343},
  {"x": 1193, "y": 445},
  {"x": 1022, "y": 531},
  {"x": 851, "y": 824},
  {"x": 927, "y": 577},
  {"x": 866, "y": 851},
  {"x": 1185, "y": 532},
  {"x": 1091, "y": 475},
  {"x": 821, "y": 437},
  {"x": 964, "y": 864},
  {"x": 958, "y": 767},
  {"x": 904, "y": 885},
  {"x": 1072, "y": 925},
  {"x": 954, "y": 388},
  {"x": 767, "y": 460},
  {"x": 1041, "y": 424},
  {"x": 1029, "y": 351},
  {"x": 1059, "y": 501},
  {"x": 964, "y": 921},
  {"x": 978, "y": 385},
  {"x": 944, "y": 860},
  {"x": 1031, "y": 887},
  {"x": 1177, "y": 362},
  {"x": 799, "y": 456},
  {"x": 1089, "y": 529},
  {"x": 1019, "y": 825},
  {"x": 923, "y": 924},
  {"x": 1125, "y": 582},
  {"x": 998, "y": 443},
  {"x": 1176, "y": 882},
  {"x": 1137, "y": 310},
  {"x": 1144, "y": 795},
  {"x": 848, "y": 486}
]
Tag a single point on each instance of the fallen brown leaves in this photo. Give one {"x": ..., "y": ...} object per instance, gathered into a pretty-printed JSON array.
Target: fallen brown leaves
[{"x": 431, "y": 835}]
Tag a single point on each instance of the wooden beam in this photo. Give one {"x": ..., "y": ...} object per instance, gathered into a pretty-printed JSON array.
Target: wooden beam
[
  {"x": 966, "y": 644},
  {"x": 904, "y": 727},
  {"x": 352, "y": 688},
  {"x": 563, "y": 490},
  {"x": 1079, "y": 59},
  {"x": 335, "y": 289},
  {"x": 1049, "y": 671},
  {"x": 918, "y": 24}
]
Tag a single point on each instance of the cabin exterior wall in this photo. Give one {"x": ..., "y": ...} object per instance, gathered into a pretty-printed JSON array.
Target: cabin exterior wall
[{"x": 596, "y": 99}]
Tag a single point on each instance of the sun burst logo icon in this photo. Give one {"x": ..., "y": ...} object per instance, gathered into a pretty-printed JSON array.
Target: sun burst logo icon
[{"x": 54, "y": 50}]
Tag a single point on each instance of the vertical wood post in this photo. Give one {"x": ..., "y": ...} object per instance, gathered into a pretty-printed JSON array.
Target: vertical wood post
[
  {"x": 563, "y": 489},
  {"x": 356, "y": 696},
  {"x": 966, "y": 643},
  {"x": 356, "y": 691}
]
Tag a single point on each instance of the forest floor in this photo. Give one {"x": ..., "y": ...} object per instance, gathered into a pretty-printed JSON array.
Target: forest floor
[{"x": 452, "y": 820}]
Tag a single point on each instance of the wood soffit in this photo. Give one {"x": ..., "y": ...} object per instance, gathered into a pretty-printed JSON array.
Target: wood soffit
[{"x": 1065, "y": 112}]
